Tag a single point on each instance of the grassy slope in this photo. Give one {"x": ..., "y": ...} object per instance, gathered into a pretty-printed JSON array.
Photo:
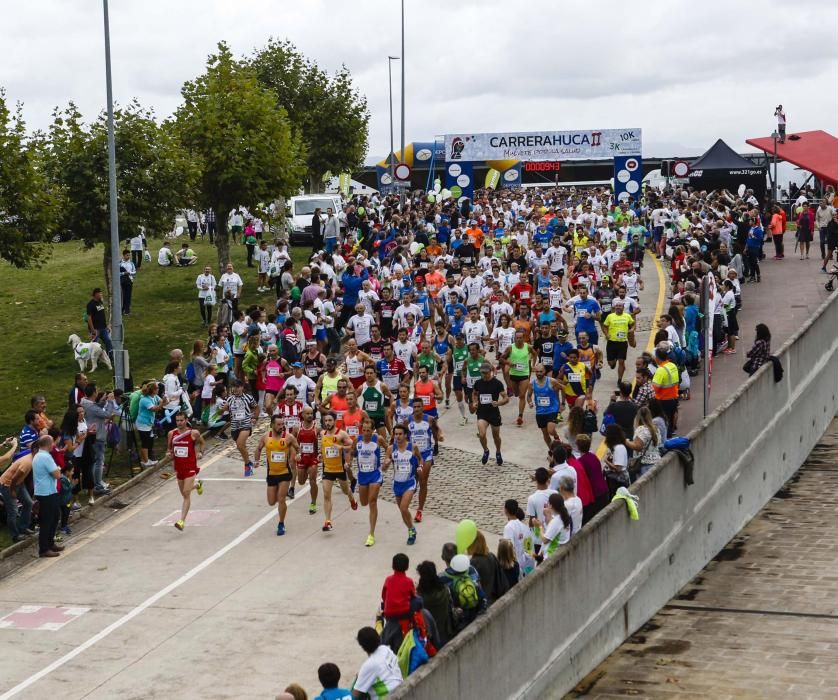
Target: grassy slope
[{"x": 40, "y": 308}]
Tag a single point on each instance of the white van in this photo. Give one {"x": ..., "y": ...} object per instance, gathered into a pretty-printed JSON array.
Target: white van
[{"x": 301, "y": 209}]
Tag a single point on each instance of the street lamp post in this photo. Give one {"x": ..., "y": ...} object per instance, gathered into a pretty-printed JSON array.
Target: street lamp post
[
  {"x": 390, "y": 60},
  {"x": 401, "y": 195},
  {"x": 775, "y": 136},
  {"x": 117, "y": 329}
]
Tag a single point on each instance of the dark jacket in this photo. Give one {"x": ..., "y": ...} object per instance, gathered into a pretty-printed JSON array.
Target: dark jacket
[{"x": 438, "y": 604}]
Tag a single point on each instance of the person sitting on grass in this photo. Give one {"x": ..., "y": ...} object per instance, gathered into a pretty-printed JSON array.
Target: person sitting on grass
[
  {"x": 186, "y": 256},
  {"x": 165, "y": 257}
]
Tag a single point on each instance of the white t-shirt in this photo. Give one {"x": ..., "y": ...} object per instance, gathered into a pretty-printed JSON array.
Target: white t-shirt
[
  {"x": 557, "y": 258},
  {"x": 361, "y": 326},
  {"x": 555, "y": 530},
  {"x": 230, "y": 281},
  {"x": 474, "y": 331},
  {"x": 536, "y": 502},
  {"x": 563, "y": 470},
  {"x": 138, "y": 242},
  {"x": 205, "y": 284},
  {"x": 263, "y": 257},
  {"x": 239, "y": 329},
  {"x": 380, "y": 669},
  {"x": 368, "y": 299},
  {"x": 172, "y": 391},
  {"x": 304, "y": 385},
  {"x": 400, "y": 314},
  {"x": 405, "y": 351},
  {"x": 521, "y": 537},
  {"x": 504, "y": 337},
  {"x": 574, "y": 508},
  {"x": 631, "y": 281},
  {"x": 165, "y": 257},
  {"x": 472, "y": 287}
]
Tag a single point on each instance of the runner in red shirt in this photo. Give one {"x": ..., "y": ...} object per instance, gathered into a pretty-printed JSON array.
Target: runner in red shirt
[
  {"x": 521, "y": 294},
  {"x": 184, "y": 443},
  {"x": 307, "y": 457}
]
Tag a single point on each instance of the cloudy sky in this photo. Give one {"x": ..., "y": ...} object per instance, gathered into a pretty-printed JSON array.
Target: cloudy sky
[{"x": 685, "y": 72}]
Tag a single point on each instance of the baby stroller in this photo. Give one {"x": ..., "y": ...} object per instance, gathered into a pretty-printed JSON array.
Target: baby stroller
[{"x": 833, "y": 274}]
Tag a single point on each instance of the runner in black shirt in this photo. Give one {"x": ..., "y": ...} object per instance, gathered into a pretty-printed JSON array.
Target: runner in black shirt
[{"x": 487, "y": 396}]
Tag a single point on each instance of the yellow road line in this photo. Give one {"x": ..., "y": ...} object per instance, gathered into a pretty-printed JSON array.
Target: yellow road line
[{"x": 600, "y": 452}]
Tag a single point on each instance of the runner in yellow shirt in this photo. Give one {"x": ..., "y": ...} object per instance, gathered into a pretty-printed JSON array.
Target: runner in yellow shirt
[
  {"x": 619, "y": 328},
  {"x": 333, "y": 442},
  {"x": 281, "y": 449}
]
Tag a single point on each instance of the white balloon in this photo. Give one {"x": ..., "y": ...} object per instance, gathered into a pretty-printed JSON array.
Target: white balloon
[
  {"x": 741, "y": 190},
  {"x": 437, "y": 185},
  {"x": 179, "y": 230},
  {"x": 445, "y": 194}
]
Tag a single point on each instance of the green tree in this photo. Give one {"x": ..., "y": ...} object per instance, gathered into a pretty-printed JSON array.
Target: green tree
[
  {"x": 243, "y": 139},
  {"x": 27, "y": 202},
  {"x": 329, "y": 112},
  {"x": 155, "y": 176}
]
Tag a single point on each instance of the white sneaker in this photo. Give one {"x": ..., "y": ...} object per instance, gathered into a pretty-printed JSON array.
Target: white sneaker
[
  {"x": 463, "y": 420},
  {"x": 91, "y": 500}
]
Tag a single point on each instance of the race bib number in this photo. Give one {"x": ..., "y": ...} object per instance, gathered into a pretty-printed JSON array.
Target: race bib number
[
  {"x": 370, "y": 405},
  {"x": 636, "y": 265},
  {"x": 239, "y": 414},
  {"x": 339, "y": 415},
  {"x": 278, "y": 457},
  {"x": 366, "y": 465},
  {"x": 458, "y": 366},
  {"x": 311, "y": 372},
  {"x": 606, "y": 306},
  {"x": 292, "y": 422},
  {"x": 386, "y": 313},
  {"x": 470, "y": 381},
  {"x": 181, "y": 451},
  {"x": 544, "y": 401},
  {"x": 273, "y": 371},
  {"x": 525, "y": 295},
  {"x": 426, "y": 400},
  {"x": 621, "y": 335},
  {"x": 547, "y": 361},
  {"x": 307, "y": 448},
  {"x": 574, "y": 377},
  {"x": 352, "y": 430},
  {"x": 332, "y": 451},
  {"x": 520, "y": 367},
  {"x": 486, "y": 399}
]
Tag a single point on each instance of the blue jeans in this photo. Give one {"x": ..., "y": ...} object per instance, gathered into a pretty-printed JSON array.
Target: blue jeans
[
  {"x": 330, "y": 244},
  {"x": 98, "y": 465},
  {"x": 104, "y": 335},
  {"x": 17, "y": 523}
]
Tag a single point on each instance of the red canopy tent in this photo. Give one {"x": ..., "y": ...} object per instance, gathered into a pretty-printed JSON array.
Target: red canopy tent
[{"x": 815, "y": 151}]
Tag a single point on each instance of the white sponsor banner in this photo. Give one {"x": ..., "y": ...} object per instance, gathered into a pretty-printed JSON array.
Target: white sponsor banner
[{"x": 543, "y": 145}]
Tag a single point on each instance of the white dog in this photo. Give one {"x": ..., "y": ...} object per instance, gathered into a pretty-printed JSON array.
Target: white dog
[{"x": 88, "y": 351}]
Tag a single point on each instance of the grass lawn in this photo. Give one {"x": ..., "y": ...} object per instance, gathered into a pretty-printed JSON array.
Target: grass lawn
[{"x": 40, "y": 308}]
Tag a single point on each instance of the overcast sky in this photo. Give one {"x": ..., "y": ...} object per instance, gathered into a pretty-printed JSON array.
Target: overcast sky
[{"x": 685, "y": 72}]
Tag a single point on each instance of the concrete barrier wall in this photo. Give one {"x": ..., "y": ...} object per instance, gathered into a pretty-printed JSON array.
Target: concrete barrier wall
[{"x": 554, "y": 627}]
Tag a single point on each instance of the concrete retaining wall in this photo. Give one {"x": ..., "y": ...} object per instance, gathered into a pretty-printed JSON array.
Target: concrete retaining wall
[{"x": 557, "y": 625}]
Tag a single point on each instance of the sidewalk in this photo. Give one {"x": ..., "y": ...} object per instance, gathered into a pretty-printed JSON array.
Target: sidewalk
[{"x": 788, "y": 295}]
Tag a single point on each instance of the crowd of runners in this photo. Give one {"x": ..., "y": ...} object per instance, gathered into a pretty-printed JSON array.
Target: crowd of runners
[{"x": 349, "y": 378}]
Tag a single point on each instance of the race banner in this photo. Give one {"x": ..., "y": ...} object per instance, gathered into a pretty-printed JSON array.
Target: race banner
[
  {"x": 511, "y": 177},
  {"x": 543, "y": 145},
  {"x": 628, "y": 177},
  {"x": 459, "y": 178}
]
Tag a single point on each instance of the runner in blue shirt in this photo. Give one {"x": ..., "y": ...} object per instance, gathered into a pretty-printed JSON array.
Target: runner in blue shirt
[
  {"x": 421, "y": 436},
  {"x": 405, "y": 459},
  {"x": 370, "y": 478},
  {"x": 587, "y": 312}
]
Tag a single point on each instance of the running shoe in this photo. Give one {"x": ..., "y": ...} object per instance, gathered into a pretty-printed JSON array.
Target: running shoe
[
  {"x": 519, "y": 420},
  {"x": 411, "y": 535},
  {"x": 291, "y": 493},
  {"x": 418, "y": 517},
  {"x": 448, "y": 401},
  {"x": 58, "y": 538},
  {"x": 370, "y": 541},
  {"x": 353, "y": 482},
  {"x": 76, "y": 506},
  {"x": 248, "y": 469},
  {"x": 327, "y": 526},
  {"x": 280, "y": 529},
  {"x": 498, "y": 458},
  {"x": 66, "y": 530},
  {"x": 485, "y": 457},
  {"x": 180, "y": 525},
  {"x": 91, "y": 499},
  {"x": 312, "y": 508},
  {"x": 199, "y": 487},
  {"x": 353, "y": 504},
  {"x": 464, "y": 420}
]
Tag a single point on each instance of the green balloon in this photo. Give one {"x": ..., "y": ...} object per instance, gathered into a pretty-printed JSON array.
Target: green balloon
[
  {"x": 431, "y": 198},
  {"x": 456, "y": 191},
  {"x": 465, "y": 535}
]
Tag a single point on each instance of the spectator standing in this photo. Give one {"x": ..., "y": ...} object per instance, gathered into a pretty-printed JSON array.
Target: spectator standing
[
  {"x": 97, "y": 322},
  {"x": 206, "y": 284},
  {"x": 98, "y": 408},
  {"x": 45, "y": 473},
  {"x": 331, "y": 229},
  {"x": 138, "y": 245},
  {"x": 127, "y": 272},
  {"x": 436, "y": 599},
  {"x": 316, "y": 230},
  {"x": 231, "y": 285}
]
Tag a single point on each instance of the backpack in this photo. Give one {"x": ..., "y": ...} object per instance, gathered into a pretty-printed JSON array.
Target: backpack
[
  {"x": 190, "y": 373},
  {"x": 134, "y": 404},
  {"x": 589, "y": 424},
  {"x": 466, "y": 595},
  {"x": 289, "y": 351},
  {"x": 114, "y": 434}
]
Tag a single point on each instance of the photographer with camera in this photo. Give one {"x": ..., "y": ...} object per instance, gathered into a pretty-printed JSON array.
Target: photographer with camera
[
  {"x": 98, "y": 406},
  {"x": 781, "y": 122}
]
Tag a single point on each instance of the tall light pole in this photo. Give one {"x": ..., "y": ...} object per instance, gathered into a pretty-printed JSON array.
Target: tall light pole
[
  {"x": 117, "y": 330},
  {"x": 401, "y": 196},
  {"x": 775, "y": 136},
  {"x": 390, "y": 60}
]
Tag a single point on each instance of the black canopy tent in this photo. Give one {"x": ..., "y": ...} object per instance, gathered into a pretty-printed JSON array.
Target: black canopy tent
[{"x": 723, "y": 168}]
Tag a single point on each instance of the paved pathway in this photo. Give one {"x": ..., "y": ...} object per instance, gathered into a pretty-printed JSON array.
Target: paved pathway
[{"x": 760, "y": 621}]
